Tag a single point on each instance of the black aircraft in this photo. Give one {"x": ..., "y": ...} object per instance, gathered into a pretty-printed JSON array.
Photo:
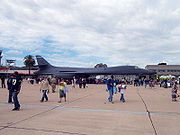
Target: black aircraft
[{"x": 68, "y": 72}]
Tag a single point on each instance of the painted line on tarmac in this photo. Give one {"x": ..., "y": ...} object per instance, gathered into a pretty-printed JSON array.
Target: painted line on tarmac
[
  {"x": 58, "y": 107},
  {"x": 31, "y": 106},
  {"x": 98, "y": 110},
  {"x": 91, "y": 110},
  {"x": 39, "y": 106},
  {"x": 75, "y": 109},
  {"x": 165, "y": 113}
]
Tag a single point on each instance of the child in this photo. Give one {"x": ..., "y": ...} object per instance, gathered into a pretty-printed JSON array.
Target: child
[
  {"x": 62, "y": 90},
  {"x": 122, "y": 89}
]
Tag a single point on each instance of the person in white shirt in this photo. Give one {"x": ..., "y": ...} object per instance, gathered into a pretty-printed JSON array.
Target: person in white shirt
[
  {"x": 122, "y": 87},
  {"x": 74, "y": 82}
]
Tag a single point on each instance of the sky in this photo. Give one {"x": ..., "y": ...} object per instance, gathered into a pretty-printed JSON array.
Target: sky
[{"x": 83, "y": 33}]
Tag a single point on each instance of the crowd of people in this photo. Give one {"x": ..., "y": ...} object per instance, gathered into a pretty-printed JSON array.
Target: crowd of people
[
  {"x": 14, "y": 87},
  {"x": 166, "y": 83},
  {"x": 113, "y": 86},
  {"x": 121, "y": 84}
]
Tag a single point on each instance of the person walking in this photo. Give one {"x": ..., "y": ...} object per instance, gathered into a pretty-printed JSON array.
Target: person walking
[
  {"x": 16, "y": 87},
  {"x": 80, "y": 83},
  {"x": 84, "y": 82},
  {"x": 44, "y": 87},
  {"x": 3, "y": 82},
  {"x": 9, "y": 86},
  {"x": 174, "y": 92},
  {"x": 110, "y": 84},
  {"x": 74, "y": 82},
  {"x": 122, "y": 88},
  {"x": 53, "y": 84},
  {"x": 145, "y": 83},
  {"x": 62, "y": 90}
]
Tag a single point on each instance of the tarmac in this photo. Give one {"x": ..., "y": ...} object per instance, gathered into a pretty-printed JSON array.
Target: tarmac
[{"x": 88, "y": 112}]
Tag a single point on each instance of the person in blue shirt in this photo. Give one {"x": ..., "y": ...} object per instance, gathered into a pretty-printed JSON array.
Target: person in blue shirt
[
  {"x": 110, "y": 84},
  {"x": 15, "y": 89}
]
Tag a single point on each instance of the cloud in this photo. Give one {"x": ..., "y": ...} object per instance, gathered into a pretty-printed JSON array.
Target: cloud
[
  {"x": 14, "y": 52},
  {"x": 77, "y": 32},
  {"x": 36, "y": 52}
]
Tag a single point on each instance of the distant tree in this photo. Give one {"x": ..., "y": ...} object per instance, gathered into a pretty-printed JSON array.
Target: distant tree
[
  {"x": 100, "y": 65},
  {"x": 162, "y": 63},
  {"x": 29, "y": 61}
]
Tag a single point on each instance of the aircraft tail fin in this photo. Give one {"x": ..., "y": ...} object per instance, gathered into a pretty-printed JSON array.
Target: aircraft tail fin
[{"x": 41, "y": 61}]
